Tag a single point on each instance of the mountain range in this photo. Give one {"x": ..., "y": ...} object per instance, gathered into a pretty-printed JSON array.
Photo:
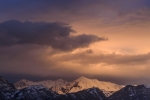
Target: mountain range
[
  {"x": 62, "y": 87},
  {"x": 81, "y": 89}
]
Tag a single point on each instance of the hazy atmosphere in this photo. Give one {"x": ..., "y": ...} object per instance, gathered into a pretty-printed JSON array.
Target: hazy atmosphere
[{"x": 50, "y": 39}]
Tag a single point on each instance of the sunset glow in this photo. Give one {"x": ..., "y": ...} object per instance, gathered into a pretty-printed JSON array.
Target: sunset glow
[{"x": 49, "y": 39}]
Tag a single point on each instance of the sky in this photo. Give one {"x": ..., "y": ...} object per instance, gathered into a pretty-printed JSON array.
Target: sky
[{"x": 50, "y": 39}]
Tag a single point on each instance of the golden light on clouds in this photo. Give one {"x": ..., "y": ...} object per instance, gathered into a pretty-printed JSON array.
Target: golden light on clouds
[{"x": 97, "y": 38}]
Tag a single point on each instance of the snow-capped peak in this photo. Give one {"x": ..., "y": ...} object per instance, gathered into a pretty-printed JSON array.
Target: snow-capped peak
[
  {"x": 85, "y": 83},
  {"x": 82, "y": 78}
]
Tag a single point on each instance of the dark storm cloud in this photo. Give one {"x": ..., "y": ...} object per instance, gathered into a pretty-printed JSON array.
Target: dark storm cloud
[{"x": 54, "y": 34}]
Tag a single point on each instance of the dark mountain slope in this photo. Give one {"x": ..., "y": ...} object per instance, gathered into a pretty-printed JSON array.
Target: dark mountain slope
[
  {"x": 5, "y": 85},
  {"x": 130, "y": 92},
  {"x": 88, "y": 94}
]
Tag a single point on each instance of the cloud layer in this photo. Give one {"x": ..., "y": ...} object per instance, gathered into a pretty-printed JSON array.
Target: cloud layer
[
  {"x": 54, "y": 34},
  {"x": 87, "y": 58}
]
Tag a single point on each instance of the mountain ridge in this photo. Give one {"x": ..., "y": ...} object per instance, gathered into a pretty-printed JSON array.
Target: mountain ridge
[
  {"x": 62, "y": 87},
  {"x": 40, "y": 92},
  {"x": 47, "y": 83}
]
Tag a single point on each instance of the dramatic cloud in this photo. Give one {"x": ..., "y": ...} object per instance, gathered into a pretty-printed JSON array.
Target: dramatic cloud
[{"x": 55, "y": 34}]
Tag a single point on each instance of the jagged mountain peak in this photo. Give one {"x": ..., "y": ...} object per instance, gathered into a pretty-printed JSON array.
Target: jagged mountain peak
[
  {"x": 82, "y": 77},
  {"x": 5, "y": 85},
  {"x": 85, "y": 79},
  {"x": 85, "y": 83}
]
